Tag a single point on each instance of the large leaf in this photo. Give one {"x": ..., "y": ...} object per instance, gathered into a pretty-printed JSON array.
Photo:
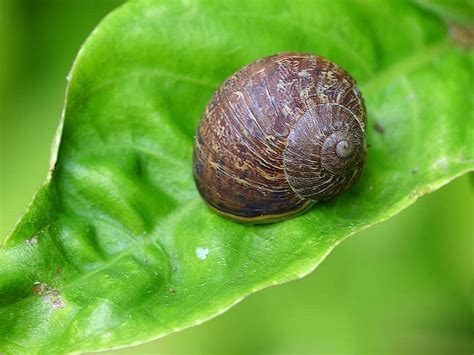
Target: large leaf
[{"x": 117, "y": 247}]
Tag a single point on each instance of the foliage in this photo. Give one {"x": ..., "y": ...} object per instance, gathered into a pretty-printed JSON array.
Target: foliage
[{"x": 117, "y": 247}]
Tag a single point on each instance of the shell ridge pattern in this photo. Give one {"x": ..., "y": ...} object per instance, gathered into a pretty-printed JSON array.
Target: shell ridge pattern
[{"x": 278, "y": 135}]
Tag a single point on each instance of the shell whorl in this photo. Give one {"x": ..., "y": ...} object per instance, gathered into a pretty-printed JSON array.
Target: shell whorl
[
  {"x": 249, "y": 142},
  {"x": 325, "y": 152}
]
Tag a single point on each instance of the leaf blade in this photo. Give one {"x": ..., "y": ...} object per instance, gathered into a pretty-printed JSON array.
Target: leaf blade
[{"x": 119, "y": 225}]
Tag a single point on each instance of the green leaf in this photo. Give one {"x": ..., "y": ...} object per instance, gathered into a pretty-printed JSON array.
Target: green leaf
[{"x": 117, "y": 248}]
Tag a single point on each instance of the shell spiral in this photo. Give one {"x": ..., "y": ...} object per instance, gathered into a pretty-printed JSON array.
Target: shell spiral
[{"x": 278, "y": 135}]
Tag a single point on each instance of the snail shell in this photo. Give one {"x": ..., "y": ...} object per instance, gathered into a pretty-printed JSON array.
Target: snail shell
[{"x": 278, "y": 135}]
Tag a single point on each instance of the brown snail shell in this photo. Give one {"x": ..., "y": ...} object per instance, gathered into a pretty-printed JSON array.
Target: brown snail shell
[{"x": 278, "y": 135}]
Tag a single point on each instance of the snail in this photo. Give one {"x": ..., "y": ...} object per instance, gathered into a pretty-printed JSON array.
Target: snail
[{"x": 277, "y": 136}]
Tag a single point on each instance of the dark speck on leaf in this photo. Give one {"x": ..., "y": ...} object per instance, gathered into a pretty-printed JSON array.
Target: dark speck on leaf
[
  {"x": 52, "y": 296},
  {"x": 40, "y": 288},
  {"x": 33, "y": 241},
  {"x": 414, "y": 170},
  {"x": 462, "y": 34},
  {"x": 172, "y": 291},
  {"x": 379, "y": 128}
]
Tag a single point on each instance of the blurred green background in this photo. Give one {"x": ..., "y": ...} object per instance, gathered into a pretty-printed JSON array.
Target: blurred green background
[{"x": 404, "y": 286}]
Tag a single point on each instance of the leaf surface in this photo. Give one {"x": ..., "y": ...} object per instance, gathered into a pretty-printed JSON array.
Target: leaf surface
[{"x": 117, "y": 248}]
